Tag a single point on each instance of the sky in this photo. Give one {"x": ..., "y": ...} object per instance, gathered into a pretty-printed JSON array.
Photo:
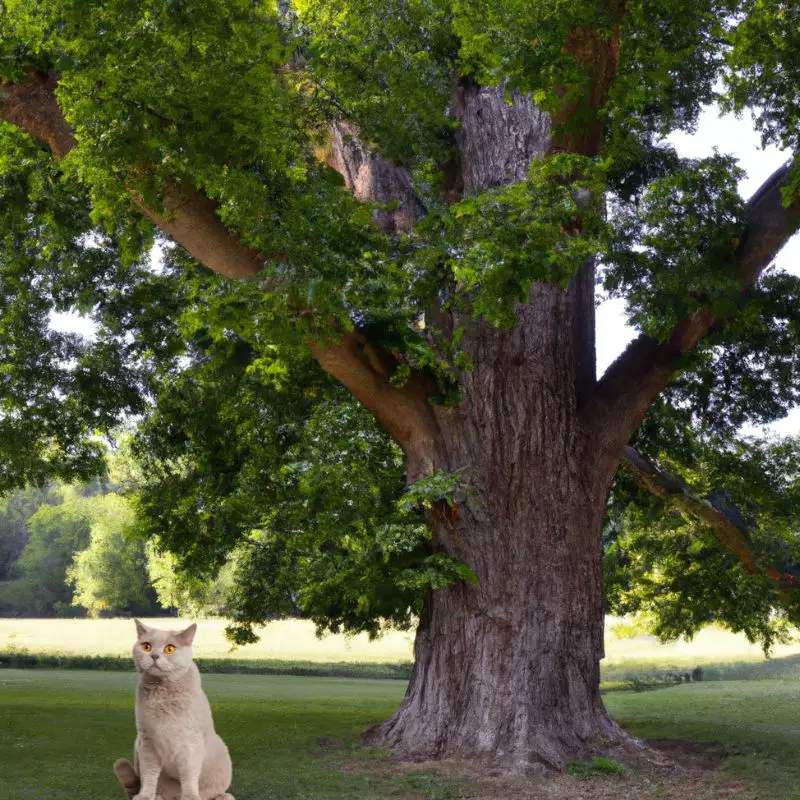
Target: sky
[
  {"x": 727, "y": 133},
  {"x": 730, "y": 136}
]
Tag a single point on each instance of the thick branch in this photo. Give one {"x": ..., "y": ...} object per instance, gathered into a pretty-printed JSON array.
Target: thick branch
[
  {"x": 402, "y": 410},
  {"x": 637, "y": 377},
  {"x": 725, "y": 522},
  {"x": 372, "y": 179},
  {"x": 32, "y": 106},
  {"x": 188, "y": 217}
]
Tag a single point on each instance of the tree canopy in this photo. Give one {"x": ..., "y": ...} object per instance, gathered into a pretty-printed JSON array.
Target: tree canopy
[{"x": 387, "y": 183}]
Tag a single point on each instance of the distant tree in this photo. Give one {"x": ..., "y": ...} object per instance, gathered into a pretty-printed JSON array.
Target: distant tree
[
  {"x": 55, "y": 534},
  {"x": 110, "y": 574},
  {"x": 188, "y": 594},
  {"x": 15, "y": 510}
]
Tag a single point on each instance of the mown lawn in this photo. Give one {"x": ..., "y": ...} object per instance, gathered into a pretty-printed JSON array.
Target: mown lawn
[
  {"x": 296, "y": 738},
  {"x": 756, "y": 722},
  {"x": 62, "y": 730}
]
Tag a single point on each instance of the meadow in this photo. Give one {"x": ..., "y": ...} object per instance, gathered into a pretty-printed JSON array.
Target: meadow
[
  {"x": 719, "y": 653},
  {"x": 297, "y": 738},
  {"x": 281, "y": 640}
]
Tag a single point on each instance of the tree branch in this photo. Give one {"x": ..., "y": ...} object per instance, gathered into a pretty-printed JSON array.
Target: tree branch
[
  {"x": 638, "y": 376},
  {"x": 32, "y": 106},
  {"x": 402, "y": 410},
  {"x": 727, "y": 525},
  {"x": 372, "y": 179},
  {"x": 188, "y": 217}
]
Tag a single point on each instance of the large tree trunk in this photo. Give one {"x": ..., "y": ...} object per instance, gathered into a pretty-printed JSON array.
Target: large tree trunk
[{"x": 508, "y": 669}]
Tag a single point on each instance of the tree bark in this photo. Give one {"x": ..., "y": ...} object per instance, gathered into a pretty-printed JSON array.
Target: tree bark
[{"x": 507, "y": 670}]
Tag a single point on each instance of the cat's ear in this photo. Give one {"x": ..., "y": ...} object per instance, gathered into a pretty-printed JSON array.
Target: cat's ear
[
  {"x": 186, "y": 637},
  {"x": 141, "y": 630}
]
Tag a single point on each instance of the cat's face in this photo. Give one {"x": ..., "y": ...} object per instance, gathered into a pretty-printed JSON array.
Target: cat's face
[{"x": 163, "y": 654}]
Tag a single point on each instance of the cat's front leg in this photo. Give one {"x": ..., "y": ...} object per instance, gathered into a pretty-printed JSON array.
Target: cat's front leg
[
  {"x": 190, "y": 765},
  {"x": 149, "y": 765}
]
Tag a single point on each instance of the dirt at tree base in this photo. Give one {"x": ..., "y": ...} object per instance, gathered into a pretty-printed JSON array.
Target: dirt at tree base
[{"x": 668, "y": 769}]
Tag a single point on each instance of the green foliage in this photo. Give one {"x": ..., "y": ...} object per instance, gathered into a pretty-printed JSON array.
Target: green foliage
[
  {"x": 15, "y": 511},
  {"x": 58, "y": 390},
  {"x": 109, "y": 575},
  {"x": 71, "y": 546},
  {"x": 671, "y": 252},
  {"x": 599, "y": 765},
  {"x": 669, "y": 56},
  {"x": 306, "y": 503},
  {"x": 363, "y": 56},
  {"x": 189, "y": 595},
  {"x": 441, "y": 486},
  {"x": 746, "y": 370},
  {"x": 55, "y": 533},
  {"x": 667, "y": 565},
  {"x": 498, "y": 243},
  {"x": 669, "y": 62},
  {"x": 764, "y": 69}
]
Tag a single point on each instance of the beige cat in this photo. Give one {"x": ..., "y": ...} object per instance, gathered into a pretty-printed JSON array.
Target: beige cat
[{"x": 178, "y": 755}]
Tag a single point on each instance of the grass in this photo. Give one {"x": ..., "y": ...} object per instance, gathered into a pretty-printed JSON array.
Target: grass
[
  {"x": 296, "y": 738},
  {"x": 757, "y": 724},
  {"x": 289, "y": 737}
]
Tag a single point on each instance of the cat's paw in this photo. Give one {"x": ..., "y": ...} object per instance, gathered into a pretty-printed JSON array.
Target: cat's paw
[{"x": 142, "y": 796}]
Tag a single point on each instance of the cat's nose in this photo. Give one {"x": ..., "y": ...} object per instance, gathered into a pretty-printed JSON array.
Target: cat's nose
[{"x": 154, "y": 657}]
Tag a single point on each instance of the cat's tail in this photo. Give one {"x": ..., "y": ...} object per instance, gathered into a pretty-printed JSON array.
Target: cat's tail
[{"x": 127, "y": 776}]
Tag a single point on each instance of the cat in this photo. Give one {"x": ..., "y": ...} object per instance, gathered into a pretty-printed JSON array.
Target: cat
[{"x": 178, "y": 755}]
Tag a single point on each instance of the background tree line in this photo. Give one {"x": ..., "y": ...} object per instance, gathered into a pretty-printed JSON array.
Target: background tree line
[{"x": 73, "y": 549}]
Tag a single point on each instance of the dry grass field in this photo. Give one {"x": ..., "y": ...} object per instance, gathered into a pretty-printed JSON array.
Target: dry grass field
[{"x": 295, "y": 640}]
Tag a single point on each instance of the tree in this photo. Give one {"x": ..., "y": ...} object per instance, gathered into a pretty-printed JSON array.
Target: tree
[
  {"x": 111, "y": 573},
  {"x": 55, "y": 534},
  {"x": 420, "y": 197},
  {"x": 179, "y": 589},
  {"x": 15, "y": 511}
]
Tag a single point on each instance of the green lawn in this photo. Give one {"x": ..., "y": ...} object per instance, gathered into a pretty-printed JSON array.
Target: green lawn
[
  {"x": 296, "y": 738},
  {"x": 756, "y": 722},
  {"x": 62, "y": 730}
]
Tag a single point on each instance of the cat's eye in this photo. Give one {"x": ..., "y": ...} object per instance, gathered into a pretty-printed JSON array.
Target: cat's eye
[
  {"x": 146, "y": 646},
  {"x": 170, "y": 649}
]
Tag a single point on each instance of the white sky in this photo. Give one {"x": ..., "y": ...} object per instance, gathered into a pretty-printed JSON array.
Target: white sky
[{"x": 729, "y": 135}]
